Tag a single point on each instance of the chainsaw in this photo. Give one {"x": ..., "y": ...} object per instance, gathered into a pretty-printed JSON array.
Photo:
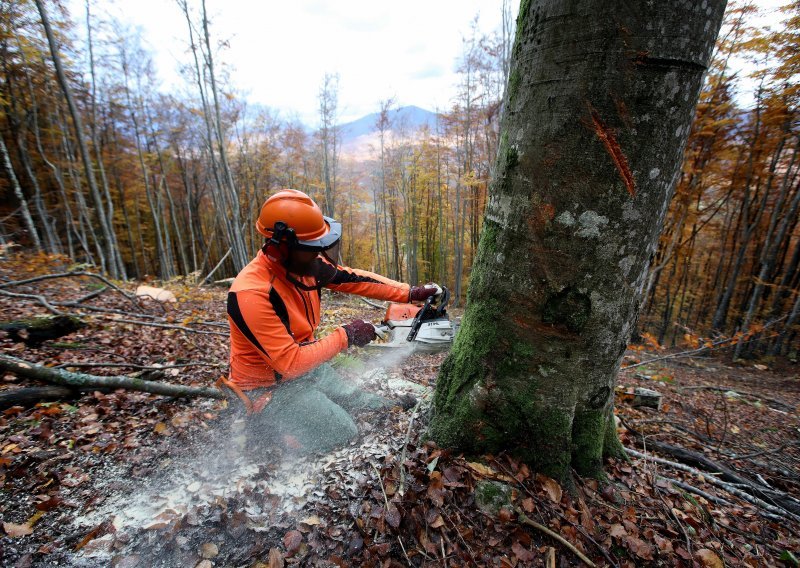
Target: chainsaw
[{"x": 425, "y": 328}]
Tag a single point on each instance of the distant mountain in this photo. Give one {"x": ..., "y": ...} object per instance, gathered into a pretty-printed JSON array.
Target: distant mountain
[{"x": 411, "y": 117}]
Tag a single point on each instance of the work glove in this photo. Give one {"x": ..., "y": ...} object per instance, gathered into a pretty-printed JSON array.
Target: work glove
[
  {"x": 359, "y": 333},
  {"x": 422, "y": 293}
]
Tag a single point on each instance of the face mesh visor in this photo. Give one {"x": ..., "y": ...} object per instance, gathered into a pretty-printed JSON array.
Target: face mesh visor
[{"x": 334, "y": 253}]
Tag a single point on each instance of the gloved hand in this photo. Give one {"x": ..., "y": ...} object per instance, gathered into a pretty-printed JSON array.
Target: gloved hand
[
  {"x": 422, "y": 293},
  {"x": 359, "y": 333}
]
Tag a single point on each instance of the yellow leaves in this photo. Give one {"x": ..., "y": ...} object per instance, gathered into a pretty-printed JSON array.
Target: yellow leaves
[
  {"x": 651, "y": 341},
  {"x": 691, "y": 340}
]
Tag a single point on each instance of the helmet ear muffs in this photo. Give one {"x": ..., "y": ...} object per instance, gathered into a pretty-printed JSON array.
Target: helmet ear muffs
[
  {"x": 278, "y": 245},
  {"x": 276, "y": 252}
]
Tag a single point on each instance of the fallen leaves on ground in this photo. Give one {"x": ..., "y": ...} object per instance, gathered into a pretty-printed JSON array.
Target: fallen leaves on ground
[{"x": 61, "y": 459}]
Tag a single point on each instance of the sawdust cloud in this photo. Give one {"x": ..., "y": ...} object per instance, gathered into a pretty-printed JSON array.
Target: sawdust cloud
[{"x": 221, "y": 464}]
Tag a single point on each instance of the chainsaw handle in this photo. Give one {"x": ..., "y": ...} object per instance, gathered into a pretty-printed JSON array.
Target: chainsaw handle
[
  {"x": 444, "y": 299},
  {"x": 417, "y": 323}
]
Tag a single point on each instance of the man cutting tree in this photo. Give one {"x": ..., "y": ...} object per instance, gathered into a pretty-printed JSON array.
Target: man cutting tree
[{"x": 278, "y": 368}]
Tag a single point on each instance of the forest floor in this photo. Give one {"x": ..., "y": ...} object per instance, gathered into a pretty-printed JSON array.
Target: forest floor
[{"x": 129, "y": 479}]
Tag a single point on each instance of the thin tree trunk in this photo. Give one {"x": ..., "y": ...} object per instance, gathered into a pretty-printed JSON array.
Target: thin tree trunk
[
  {"x": 772, "y": 242},
  {"x": 83, "y": 150},
  {"x": 23, "y": 203},
  {"x": 114, "y": 250}
]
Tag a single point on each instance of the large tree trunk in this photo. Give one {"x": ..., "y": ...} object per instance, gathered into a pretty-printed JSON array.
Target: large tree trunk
[{"x": 599, "y": 104}]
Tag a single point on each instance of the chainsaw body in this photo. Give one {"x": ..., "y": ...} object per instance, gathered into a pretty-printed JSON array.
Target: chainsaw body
[{"x": 426, "y": 328}]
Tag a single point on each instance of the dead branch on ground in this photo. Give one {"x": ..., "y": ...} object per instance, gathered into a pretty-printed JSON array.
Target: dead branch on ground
[
  {"x": 778, "y": 513},
  {"x": 723, "y": 473},
  {"x": 65, "y": 378},
  {"x": 130, "y": 297}
]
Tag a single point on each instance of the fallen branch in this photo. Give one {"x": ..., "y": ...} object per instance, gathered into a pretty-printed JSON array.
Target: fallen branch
[
  {"x": 692, "y": 489},
  {"x": 577, "y": 527},
  {"x": 136, "y": 366},
  {"x": 210, "y": 274},
  {"x": 41, "y": 300},
  {"x": 785, "y": 406},
  {"x": 137, "y": 315},
  {"x": 692, "y": 352},
  {"x": 402, "y": 488},
  {"x": 783, "y": 500},
  {"x": 106, "y": 281},
  {"x": 380, "y": 480},
  {"x": 764, "y": 452},
  {"x": 777, "y": 511},
  {"x": 61, "y": 377},
  {"x": 523, "y": 518},
  {"x": 82, "y": 299},
  {"x": 32, "y": 395},
  {"x": 169, "y": 326}
]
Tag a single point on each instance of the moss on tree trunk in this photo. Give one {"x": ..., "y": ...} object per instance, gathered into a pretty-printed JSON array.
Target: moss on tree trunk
[{"x": 598, "y": 107}]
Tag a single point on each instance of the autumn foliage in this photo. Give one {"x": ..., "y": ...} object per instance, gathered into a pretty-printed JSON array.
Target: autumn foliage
[{"x": 180, "y": 175}]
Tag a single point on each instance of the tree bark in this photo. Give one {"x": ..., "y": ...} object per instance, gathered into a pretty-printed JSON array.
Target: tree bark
[
  {"x": 60, "y": 377},
  {"x": 598, "y": 108}
]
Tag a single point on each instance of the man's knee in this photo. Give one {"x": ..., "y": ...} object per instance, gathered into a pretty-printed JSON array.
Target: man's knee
[{"x": 308, "y": 422}]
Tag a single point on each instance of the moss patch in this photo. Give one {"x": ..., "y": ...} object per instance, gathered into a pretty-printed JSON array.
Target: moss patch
[
  {"x": 612, "y": 447},
  {"x": 514, "y": 80},
  {"x": 491, "y": 496},
  {"x": 588, "y": 434}
]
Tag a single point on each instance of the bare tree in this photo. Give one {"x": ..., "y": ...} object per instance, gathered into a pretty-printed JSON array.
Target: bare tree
[
  {"x": 110, "y": 260},
  {"x": 330, "y": 138}
]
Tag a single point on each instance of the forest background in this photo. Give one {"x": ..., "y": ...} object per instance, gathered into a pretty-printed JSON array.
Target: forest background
[{"x": 101, "y": 164}]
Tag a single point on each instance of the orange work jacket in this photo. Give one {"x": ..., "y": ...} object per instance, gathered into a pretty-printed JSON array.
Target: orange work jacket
[{"x": 272, "y": 320}]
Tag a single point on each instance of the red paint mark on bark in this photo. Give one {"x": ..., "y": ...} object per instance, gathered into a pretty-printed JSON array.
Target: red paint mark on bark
[
  {"x": 606, "y": 136},
  {"x": 521, "y": 323},
  {"x": 541, "y": 215}
]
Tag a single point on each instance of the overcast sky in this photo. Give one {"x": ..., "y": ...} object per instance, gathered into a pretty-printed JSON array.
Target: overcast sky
[{"x": 281, "y": 49}]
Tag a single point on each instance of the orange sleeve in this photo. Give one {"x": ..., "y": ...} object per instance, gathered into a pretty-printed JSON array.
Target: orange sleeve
[
  {"x": 252, "y": 312},
  {"x": 363, "y": 283}
]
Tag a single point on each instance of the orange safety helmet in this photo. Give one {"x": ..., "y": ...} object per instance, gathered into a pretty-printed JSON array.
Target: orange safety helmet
[{"x": 291, "y": 216}]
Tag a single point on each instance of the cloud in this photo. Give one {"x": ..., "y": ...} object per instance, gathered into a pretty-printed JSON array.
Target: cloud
[
  {"x": 428, "y": 72},
  {"x": 279, "y": 51}
]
